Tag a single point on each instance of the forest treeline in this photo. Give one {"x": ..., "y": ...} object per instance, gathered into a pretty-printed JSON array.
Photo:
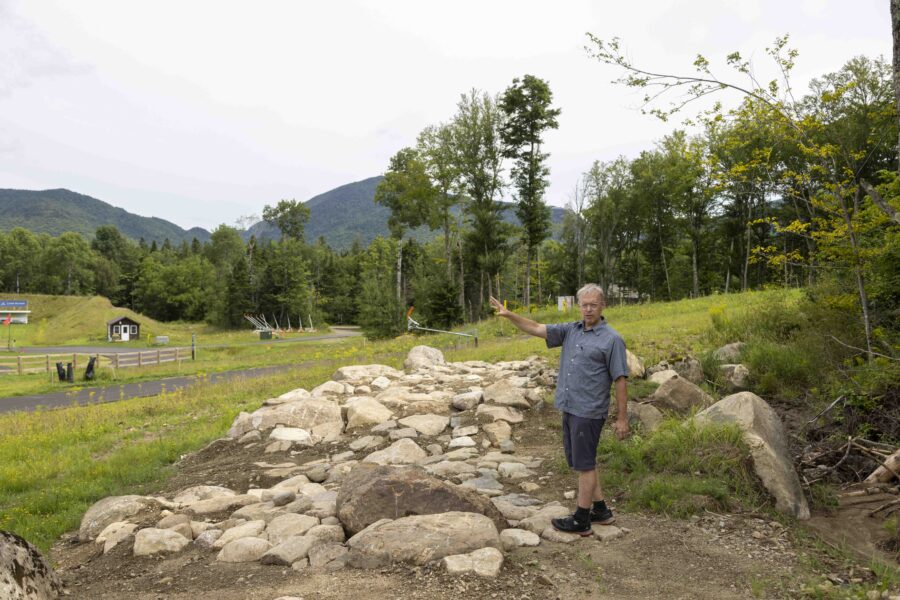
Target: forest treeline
[{"x": 752, "y": 195}]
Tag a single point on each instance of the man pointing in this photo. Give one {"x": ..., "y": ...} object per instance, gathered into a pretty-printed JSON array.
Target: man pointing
[{"x": 593, "y": 358}]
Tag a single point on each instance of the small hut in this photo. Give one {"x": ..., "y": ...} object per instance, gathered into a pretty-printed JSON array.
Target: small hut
[{"x": 122, "y": 329}]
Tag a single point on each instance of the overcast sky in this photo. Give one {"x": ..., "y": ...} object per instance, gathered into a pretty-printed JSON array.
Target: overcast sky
[{"x": 201, "y": 112}]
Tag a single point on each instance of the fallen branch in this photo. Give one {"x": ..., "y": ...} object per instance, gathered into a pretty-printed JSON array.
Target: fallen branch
[
  {"x": 825, "y": 410},
  {"x": 887, "y": 507},
  {"x": 863, "y": 349}
]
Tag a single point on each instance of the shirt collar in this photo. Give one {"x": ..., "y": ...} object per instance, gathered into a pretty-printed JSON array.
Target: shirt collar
[{"x": 596, "y": 329}]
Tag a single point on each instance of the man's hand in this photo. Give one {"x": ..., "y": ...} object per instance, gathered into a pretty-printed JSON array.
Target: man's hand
[
  {"x": 621, "y": 428},
  {"x": 498, "y": 307}
]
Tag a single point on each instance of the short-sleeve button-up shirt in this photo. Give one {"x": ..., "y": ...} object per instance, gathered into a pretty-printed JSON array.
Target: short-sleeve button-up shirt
[{"x": 591, "y": 360}]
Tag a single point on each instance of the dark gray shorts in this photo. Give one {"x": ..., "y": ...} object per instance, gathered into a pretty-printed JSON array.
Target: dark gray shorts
[{"x": 580, "y": 439}]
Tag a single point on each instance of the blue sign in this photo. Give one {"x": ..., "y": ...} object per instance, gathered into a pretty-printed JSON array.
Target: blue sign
[{"x": 13, "y": 304}]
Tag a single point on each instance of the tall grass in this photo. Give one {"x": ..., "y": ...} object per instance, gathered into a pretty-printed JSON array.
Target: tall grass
[{"x": 681, "y": 469}]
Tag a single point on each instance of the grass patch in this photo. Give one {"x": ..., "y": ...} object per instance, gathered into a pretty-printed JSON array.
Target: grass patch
[
  {"x": 681, "y": 469},
  {"x": 55, "y": 464}
]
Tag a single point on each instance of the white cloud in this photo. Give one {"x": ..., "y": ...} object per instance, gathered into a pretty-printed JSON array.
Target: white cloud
[{"x": 203, "y": 111}]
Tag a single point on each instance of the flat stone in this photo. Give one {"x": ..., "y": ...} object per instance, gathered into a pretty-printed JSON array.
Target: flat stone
[
  {"x": 289, "y": 525},
  {"x": 405, "y": 432},
  {"x": 607, "y": 533},
  {"x": 248, "y": 549},
  {"x": 465, "y": 431},
  {"x": 402, "y": 452},
  {"x": 515, "y": 538},
  {"x": 322, "y": 554},
  {"x": 505, "y": 393},
  {"x": 290, "y": 550},
  {"x": 461, "y": 442},
  {"x": 150, "y": 541},
  {"x": 248, "y": 529},
  {"x": 207, "y": 538},
  {"x": 552, "y": 535},
  {"x": 429, "y": 425},
  {"x": 490, "y": 413}
]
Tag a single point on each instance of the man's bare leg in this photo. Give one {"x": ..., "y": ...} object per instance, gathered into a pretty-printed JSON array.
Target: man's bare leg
[{"x": 588, "y": 488}]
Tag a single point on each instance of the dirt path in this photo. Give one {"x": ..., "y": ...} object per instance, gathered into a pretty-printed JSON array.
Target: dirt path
[{"x": 711, "y": 557}]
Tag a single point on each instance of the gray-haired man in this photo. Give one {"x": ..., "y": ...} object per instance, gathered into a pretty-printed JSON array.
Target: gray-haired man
[{"x": 593, "y": 358}]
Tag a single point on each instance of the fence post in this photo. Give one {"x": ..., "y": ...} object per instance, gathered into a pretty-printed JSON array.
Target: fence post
[
  {"x": 116, "y": 360},
  {"x": 19, "y": 363},
  {"x": 140, "y": 358},
  {"x": 157, "y": 358},
  {"x": 48, "y": 363},
  {"x": 74, "y": 361}
]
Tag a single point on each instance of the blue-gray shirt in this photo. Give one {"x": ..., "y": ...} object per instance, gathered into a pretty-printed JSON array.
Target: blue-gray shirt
[{"x": 591, "y": 360}]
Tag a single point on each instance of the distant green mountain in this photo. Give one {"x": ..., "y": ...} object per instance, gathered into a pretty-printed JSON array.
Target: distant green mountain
[
  {"x": 341, "y": 215},
  {"x": 57, "y": 211},
  {"x": 349, "y": 212}
]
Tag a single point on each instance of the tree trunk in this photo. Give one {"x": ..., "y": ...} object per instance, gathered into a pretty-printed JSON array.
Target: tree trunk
[
  {"x": 540, "y": 289},
  {"x": 728, "y": 267},
  {"x": 857, "y": 269},
  {"x": 895, "y": 27},
  {"x": 746, "y": 267},
  {"x": 888, "y": 470},
  {"x": 694, "y": 249},
  {"x": 400, "y": 271},
  {"x": 462, "y": 278},
  {"x": 527, "y": 295}
]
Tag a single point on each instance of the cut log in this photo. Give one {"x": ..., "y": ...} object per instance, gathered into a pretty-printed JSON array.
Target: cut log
[{"x": 887, "y": 471}]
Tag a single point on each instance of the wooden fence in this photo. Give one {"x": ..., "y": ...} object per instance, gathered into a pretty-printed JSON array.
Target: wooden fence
[{"x": 43, "y": 363}]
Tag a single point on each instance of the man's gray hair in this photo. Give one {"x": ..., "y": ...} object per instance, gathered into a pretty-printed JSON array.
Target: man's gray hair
[{"x": 590, "y": 289}]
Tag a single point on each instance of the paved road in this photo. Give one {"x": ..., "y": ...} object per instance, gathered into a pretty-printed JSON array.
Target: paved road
[
  {"x": 124, "y": 391},
  {"x": 337, "y": 332}
]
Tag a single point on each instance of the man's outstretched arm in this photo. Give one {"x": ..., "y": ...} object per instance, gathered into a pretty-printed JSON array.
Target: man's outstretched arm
[{"x": 525, "y": 324}]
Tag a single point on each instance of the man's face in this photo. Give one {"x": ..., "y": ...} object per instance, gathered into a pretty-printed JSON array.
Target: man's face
[{"x": 591, "y": 306}]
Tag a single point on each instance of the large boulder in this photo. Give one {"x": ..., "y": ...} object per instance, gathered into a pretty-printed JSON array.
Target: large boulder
[
  {"x": 690, "y": 368},
  {"x": 24, "y": 573},
  {"x": 679, "y": 395},
  {"x": 365, "y": 373},
  {"x": 303, "y": 414},
  {"x": 635, "y": 366},
  {"x": 370, "y": 493},
  {"x": 421, "y": 539},
  {"x": 423, "y": 357},
  {"x": 764, "y": 434},
  {"x": 504, "y": 393},
  {"x": 402, "y": 452},
  {"x": 113, "y": 509}
]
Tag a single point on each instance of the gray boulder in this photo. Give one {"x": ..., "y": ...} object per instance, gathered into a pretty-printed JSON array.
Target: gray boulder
[
  {"x": 304, "y": 414},
  {"x": 150, "y": 541},
  {"x": 421, "y": 539},
  {"x": 24, "y": 573},
  {"x": 690, "y": 368},
  {"x": 764, "y": 434},
  {"x": 423, "y": 357},
  {"x": 113, "y": 509},
  {"x": 370, "y": 493},
  {"x": 679, "y": 395},
  {"x": 737, "y": 377},
  {"x": 503, "y": 393},
  {"x": 730, "y": 353}
]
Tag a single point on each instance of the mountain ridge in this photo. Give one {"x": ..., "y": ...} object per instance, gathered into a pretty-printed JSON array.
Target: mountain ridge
[{"x": 341, "y": 216}]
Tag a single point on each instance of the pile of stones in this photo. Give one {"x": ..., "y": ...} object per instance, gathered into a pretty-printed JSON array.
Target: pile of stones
[{"x": 419, "y": 465}]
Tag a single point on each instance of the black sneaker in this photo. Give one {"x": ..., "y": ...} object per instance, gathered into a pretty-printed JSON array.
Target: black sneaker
[
  {"x": 572, "y": 525},
  {"x": 604, "y": 517}
]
